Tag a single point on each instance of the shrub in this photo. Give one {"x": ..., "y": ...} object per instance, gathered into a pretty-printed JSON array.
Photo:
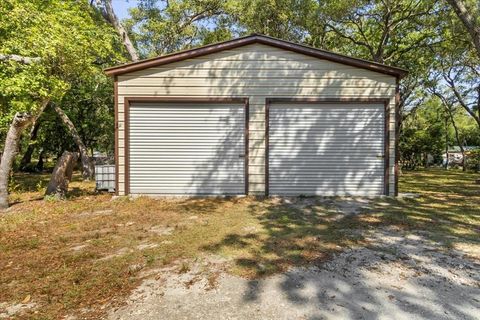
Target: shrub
[{"x": 473, "y": 160}]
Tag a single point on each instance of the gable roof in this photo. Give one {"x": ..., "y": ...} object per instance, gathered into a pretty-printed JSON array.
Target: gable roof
[{"x": 255, "y": 38}]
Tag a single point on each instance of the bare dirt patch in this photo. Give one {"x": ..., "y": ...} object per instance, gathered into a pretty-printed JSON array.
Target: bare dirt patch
[
  {"x": 399, "y": 276},
  {"x": 9, "y": 311}
]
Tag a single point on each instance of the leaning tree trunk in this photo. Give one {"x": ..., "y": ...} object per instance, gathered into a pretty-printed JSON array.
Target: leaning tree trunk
[
  {"x": 19, "y": 123},
  {"x": 111, "y": 17},
  {"x": 87, "y": 165},
  {"x": 27, "y": 156},
  {"x": 61, "y": 175},
  {"x": 469, "y": 20}
]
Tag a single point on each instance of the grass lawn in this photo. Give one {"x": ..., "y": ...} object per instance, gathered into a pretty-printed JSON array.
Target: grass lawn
[{"x": 89, "y": 251}]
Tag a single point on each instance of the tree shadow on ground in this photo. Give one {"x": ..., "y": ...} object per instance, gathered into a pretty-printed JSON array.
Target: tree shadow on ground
[
  {"x": 293, "y": 233},
  {"x": 306, "y": 232}
]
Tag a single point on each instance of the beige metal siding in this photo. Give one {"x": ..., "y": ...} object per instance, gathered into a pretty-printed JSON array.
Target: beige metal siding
[
  {"x": 326, "y": 149},
  {"x": 186, "y": 148},
  {"x": 256, "y": 71}
]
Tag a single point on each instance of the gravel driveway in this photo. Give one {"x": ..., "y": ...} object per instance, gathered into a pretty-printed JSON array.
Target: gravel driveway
[{"x": 398, "y": 276}]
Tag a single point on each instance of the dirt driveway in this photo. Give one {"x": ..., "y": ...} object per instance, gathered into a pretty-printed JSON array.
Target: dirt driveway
[{"x": 398, "y": 276}]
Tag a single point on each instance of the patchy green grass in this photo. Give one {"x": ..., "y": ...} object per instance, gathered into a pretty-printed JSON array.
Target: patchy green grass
[
  {"x": 89, "y": 251},
  {"x": 448, "y": 208}
]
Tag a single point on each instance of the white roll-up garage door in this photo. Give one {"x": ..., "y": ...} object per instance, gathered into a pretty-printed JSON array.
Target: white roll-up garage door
[
  {"x": 187, "y": 148},
  {"x": 326, "y": 149}
]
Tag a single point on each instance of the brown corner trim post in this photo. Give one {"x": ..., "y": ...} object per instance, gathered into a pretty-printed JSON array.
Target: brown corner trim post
[
  {"x": 386, "y": 152},
  {"x": 115, "y": 111},
  {"x": 165, "y": 99},
  {"x": 246, "y": 143},
  {"x": 319, "y": 100},
  {"x": 397, "y": 133},
  {"x": 126, "y": 179},
  {"x": 267, "y": 146}
]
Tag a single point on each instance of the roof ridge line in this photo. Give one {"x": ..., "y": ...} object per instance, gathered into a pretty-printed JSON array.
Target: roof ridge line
[{"x": 255, "y": 38}]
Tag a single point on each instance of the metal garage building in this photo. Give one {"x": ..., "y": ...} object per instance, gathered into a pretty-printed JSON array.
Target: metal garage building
[{"x": 256, "y": 115}]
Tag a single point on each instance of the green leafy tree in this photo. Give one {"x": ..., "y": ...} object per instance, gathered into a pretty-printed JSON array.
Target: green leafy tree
[
  {"x": 424, "y": 133},
  {"x": 456, "y": 70},
  {"x": 158, "y": 26},
  {"x": 400, "y": 33},
  {"x": 284, "y": 19},
  {"x": 56, "y": 41}
]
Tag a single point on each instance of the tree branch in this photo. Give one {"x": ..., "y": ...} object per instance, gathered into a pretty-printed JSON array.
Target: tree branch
[
  {"x": 21, "y": 59},
  {"x": 341, "y": 34},
  {"x": 109, "y": 15},
  {"x": 468, "y": 20},
  {"x": 458, "y": 96}
]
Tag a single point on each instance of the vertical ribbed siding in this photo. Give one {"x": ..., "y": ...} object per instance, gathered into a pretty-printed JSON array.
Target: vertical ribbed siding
[
  {"x": 186, "y": 148},
  {"x": 326, "y": 149}
]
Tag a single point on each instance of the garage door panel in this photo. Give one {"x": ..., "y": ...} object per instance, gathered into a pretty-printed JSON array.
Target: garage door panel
[
  {"x": 340, "y": 152},
  {"x": 312, "y": 117},
  {"x": 182, "y": 144},
  {"x": 332, "y": 130},
  {"x": 326, "y": 149},
  {"x": 202, "y": 190},
  {"x": 225, "y": 156},
  {"x": 347, "y": 145},
  {"x": 326, "y": 135},
  {"x": 333, "y": 110},
  {"x": 180, "y": 189},
  {"x": 173, "y": 180},
  {"x": 313, "y": 169},
  {"x": 319, "y": 176},
  {"x": 207, "y": 136},
  {"x": 186, "y": 148},
  {"x": 325, "y": 119},
  {"x": 345, "y": 155},
  {"x": 313, "y": 136}
]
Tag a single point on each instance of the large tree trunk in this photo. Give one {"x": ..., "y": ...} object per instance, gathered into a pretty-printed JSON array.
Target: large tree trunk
[
  {"x": 457, "y": 137},
  {"x": 446, "y": 142},
  {"x": 19, "y": 123},
  {"x": 111, "y": 17},
  {"x": 87, "y": 165},
  {"x": 469, "y": 20},
  {"x": 27, "y": 156},
  {"x": 62, "y": 175}
]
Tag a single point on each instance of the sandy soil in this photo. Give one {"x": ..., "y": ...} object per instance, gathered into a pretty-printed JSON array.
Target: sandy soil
[{"x": 399, "y": 276}]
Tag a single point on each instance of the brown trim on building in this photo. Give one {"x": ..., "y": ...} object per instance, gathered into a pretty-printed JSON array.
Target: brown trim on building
[
  {"x": 126, "y": 134},
  {"x": 386, "y": 150},
  {"x": 163, "y": 99},
  {"x": 319, "y": 100},
  {"x": 115, "y": 111},
  {"x": 397, "y": 133},
  {"x": 267, "y": 148},
  {"x": 315, "y": 100},
  {"x": 255, "y": 38},
  {"x": 246, "y": 143},
  {"x": 187, "y": 99}
]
